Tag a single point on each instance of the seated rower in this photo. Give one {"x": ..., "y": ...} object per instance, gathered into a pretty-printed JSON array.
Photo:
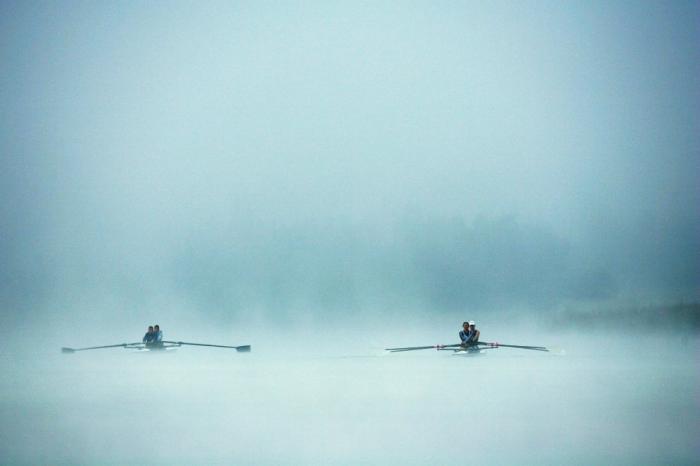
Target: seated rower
[
  {"x": 469, "y": 335},
  {"x": 475, "y": 333},
  {"x": 148, "y": 337},
  {"x": 157, "y": 336}
]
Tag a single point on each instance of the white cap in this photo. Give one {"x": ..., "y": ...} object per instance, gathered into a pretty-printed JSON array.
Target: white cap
[{"x": 471, "y": 322}]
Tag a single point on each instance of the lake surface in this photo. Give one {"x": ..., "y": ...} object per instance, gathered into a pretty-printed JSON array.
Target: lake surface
[{"x": 614, "y": 401}]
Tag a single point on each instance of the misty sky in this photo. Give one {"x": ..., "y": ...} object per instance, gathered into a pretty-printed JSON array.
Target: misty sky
[{"x": 264, "y": 157}]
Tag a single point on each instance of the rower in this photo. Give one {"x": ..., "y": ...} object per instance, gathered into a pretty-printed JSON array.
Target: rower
[
  {"x": 469, "y": 335},
  {"x": 465, "y": 335},
  {"x": 148, "y": 337},
  {"x": 157, "y": 335},
  {"x": 475, "y": 333}
]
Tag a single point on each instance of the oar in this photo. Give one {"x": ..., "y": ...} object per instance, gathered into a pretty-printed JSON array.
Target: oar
[
  {"x": 240, "y": 349},
  {"x": 414, "y": 348},
  {"x": 498, "y": 345},
  {"x": 73, "y": 350}
]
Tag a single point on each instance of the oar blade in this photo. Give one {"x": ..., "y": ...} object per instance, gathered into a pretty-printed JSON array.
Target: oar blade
[
  {"x": 243, "y": 349},
  {"x": 67, "y": 350}
]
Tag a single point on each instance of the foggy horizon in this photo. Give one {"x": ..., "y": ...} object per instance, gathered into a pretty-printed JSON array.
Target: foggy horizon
[{"x": 355, "y": 157}]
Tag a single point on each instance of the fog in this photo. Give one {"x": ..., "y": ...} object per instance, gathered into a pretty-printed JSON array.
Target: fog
[
  {"x": 243, "y": 158},
  {"x": 324, "y": 180}
]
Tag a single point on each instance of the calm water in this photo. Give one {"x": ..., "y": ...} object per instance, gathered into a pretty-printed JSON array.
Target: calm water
[{"x": 613, "y": 402}]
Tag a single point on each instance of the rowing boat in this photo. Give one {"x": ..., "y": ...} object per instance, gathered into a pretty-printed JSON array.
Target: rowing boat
[
  {"x": 474, "y": 349},
  {"x": 468, "y": 352},
  {"x": 156, "y": 347}
]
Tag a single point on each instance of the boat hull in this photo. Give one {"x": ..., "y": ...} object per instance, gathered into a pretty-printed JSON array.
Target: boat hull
[{"x": 470, "y": 353}]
